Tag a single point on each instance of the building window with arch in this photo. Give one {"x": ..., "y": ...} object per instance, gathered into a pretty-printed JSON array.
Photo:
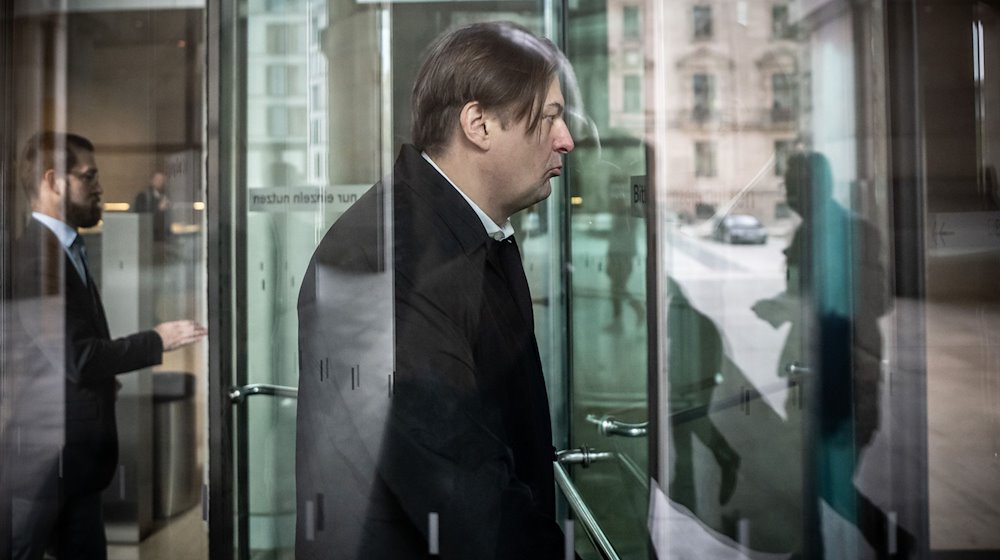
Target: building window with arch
[
  {"x": 632, "y": 100},
  {"x": 703, "y": 90},
  {"x": 701, "y": 17},
  {"x": 631, "y": 22},
  {"x": 782, "y": 149},
  {"x": 781, "y": 27},
  {"x": 784, "y": 99},
  {"x": 704, "y": 159}
]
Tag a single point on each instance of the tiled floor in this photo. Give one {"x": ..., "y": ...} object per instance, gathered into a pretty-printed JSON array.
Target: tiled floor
[
  {"x": 185, "y": 536},
  {"x": 963, "y": 388}
]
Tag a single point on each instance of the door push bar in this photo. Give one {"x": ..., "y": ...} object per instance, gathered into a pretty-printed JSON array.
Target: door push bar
[
  {"x": 583, "y": 456},
  {"x": 611, "y": 426},
  {"x": 239, "y": 394},
  {"x": 581, "y": 512}
]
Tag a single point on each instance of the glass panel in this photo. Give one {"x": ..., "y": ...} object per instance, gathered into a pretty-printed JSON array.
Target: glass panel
[
  {"x": 327, "y": 104},
  {"x": 961, "y": 312},
  {"x": 290, "y": 200},
  {"x": 608, "y": 291},
  {"x": 100, "y": 429},
  {"x": 773, "y": 287}
]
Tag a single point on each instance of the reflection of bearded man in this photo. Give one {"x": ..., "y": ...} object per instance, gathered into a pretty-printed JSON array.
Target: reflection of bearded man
[{"x": 83, "y": 206}]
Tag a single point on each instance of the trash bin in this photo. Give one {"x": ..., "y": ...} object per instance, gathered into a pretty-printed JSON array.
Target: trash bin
[{"x": 176, "y": 486}]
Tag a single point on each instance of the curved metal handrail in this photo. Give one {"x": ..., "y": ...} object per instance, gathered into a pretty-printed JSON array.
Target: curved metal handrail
[
  {"x": 239, "y": 394},
  {"x": 583, "y": 514}
]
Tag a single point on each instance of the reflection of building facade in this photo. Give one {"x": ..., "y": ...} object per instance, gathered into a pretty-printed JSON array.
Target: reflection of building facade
[
  {"x": 278, "y": 96},
  {"x": 720, "y": 51}
]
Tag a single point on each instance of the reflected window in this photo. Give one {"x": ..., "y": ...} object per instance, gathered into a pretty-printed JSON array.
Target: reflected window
[
  {"x": 702, "y": 17},
  {"x": 631, "y": 22},
  {"x": 318, "y": 97},
  {"x": 286, "y": 122},
  {"x": 703, "y": 87},
  {"x": 316, "y": 131},
  {"x": 781, "y": 28},
  {"x": 782, "y": 148},
  {"x": 319, "y": 167},
  {"x": 316, "y": 27},
  {"x": 284, "y": 38},
  {"x": 284, "y": 5},
  {"x": 704, "y": 159},
  {"x": 784, "y": 97},
  {"x": 633, "y": 94},
  {"x": 283, "y": 79}
]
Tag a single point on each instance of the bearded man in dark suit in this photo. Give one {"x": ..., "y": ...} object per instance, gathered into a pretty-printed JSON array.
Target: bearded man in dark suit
[
  {"x": 423, "y": 419},
  {"x": 60, "y": 442}
]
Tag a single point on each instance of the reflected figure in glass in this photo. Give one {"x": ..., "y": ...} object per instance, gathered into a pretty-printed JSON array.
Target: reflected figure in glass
[
  {"x": 832, "y": 356},
  {"x": 60, "y": 444},
  {"x": 695, "y": 362},
  {"x": 620, "y": 260},
  {"x": 154, "y": 200}
]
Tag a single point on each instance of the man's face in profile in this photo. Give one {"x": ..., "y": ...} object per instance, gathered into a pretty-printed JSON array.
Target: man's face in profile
[
  {"x": 82, "y": 198},
  {"x": 159, "y": 182},
  {"x": 524, "y": 161}
]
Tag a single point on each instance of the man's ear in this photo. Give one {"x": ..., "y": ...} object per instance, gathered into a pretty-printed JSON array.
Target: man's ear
[
  {"x": 473, "y": 125},
  {"x": 52, "y": 183}
]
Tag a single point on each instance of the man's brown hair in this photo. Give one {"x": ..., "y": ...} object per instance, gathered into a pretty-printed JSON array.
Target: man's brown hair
[
  {"x": 501, "y": 65},
  {"x": 48, "y": 150}
]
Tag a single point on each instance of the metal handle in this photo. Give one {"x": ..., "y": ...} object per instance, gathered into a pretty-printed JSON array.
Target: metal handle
[
  {"x": 583, "y": 514},
  {"x": 796, "y": 368},
  {"x": 610, "y": 426},
  {"x": 239, "y": 394},
  {"x": 582, "y": 456}
]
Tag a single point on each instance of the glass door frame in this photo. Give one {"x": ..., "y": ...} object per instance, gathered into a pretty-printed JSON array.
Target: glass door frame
[
  {"x": 225, "y": 121},
  {"x": 227, "y": 494}
]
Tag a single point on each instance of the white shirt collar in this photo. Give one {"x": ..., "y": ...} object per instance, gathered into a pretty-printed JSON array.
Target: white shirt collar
[
  {"x": 65, "y": 232},
  {"x": 497, "y": 232}
]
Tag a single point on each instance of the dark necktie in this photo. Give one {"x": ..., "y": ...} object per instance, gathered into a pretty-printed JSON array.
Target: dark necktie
[
  {"x": 79, "y": 250},
  {"x": 513, "y": 270}
]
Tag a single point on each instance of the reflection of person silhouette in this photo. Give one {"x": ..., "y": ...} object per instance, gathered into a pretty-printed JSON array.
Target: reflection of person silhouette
[
  {"x": 833, "y": 300},
  {"x": 621, "y": 255},
  {"x": 61, "y": 442},
  {"x": 695, "y": 355},
  {"x": 154, "y": 200}
]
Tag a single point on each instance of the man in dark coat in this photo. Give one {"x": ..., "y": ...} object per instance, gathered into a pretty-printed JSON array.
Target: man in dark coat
[
  {"x": 154, "y": 200},
  {"x": 423, "y": 422},
  {"x": 60, "y": 442}
]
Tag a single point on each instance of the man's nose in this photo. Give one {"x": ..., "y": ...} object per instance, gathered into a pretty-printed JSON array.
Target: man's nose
[{"x": 563, "y": 140}]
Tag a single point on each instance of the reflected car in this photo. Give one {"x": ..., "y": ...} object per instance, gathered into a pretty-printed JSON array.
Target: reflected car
[{"x": 740, "y": 228}]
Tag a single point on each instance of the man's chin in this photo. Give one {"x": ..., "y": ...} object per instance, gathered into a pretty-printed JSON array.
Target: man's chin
[
  {"x": 87, "y": 221},
  {"x": 545, "y": 191}
]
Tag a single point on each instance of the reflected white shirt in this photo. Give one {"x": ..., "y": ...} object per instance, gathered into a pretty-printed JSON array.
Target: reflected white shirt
[
  {"x": 67, "y": 235},
  {"x": 498, "y": 232}
]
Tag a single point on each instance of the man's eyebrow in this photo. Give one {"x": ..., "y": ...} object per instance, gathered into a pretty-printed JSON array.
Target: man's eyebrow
[{"x": 557, "y": 106}]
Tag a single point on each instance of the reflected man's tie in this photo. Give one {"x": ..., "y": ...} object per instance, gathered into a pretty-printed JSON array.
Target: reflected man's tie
[{"x": 78, "y": 251}]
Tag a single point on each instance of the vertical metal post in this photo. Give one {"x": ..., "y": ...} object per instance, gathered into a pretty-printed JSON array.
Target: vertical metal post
[{"x": 223, "y": 118}]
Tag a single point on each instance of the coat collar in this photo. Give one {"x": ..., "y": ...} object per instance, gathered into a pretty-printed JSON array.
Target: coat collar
[{"x": 413, "y": 171}]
